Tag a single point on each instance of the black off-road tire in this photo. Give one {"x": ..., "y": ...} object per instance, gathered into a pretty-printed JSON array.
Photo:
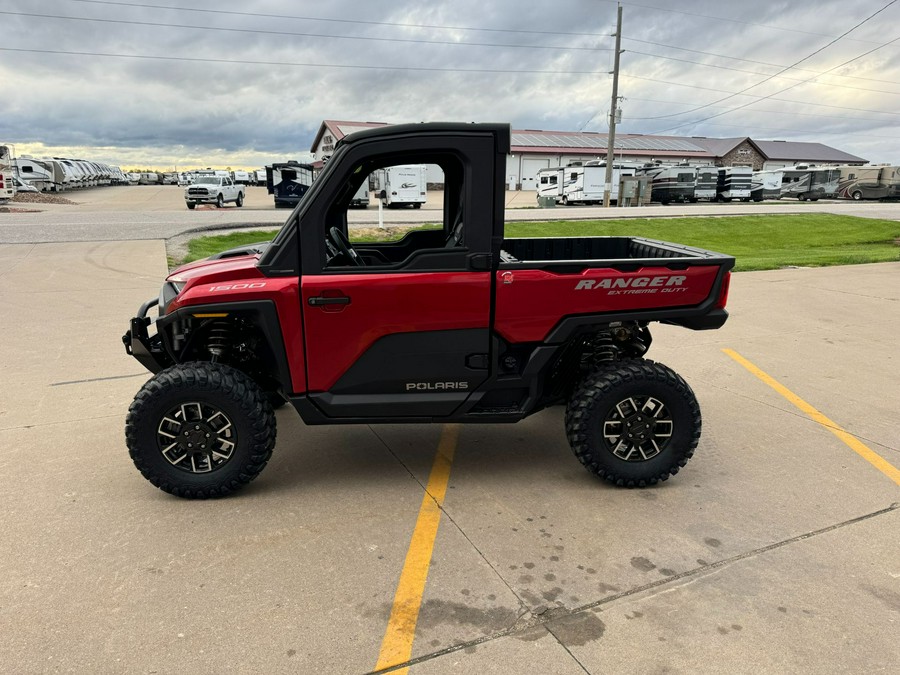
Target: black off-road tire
[
  {"x": 276, "y": 400},
  {"x": 592, "y": 409},
  {"x": 191, "y": 205},
  {"x": 209, "y": 394},
  {"x": 239, "y": 202}
]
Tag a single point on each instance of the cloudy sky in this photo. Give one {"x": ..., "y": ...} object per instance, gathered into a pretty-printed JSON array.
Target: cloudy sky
[{"x": 243, "y": 83}]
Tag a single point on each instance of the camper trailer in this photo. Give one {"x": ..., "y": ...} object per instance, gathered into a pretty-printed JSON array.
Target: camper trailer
[
  {"x": 7, "y": 185},
  {"x": 33, "y": 172},
  {"x": 584, "y": 184},
  {"x": 402, "y": 185},
  {"x": 241, "y": 177},
  {"x": 549, "y": 183},
  {"x": 766, "y": 184},
  {"x": 705, "y": 183},
  {"x": 361, "y": 198},
  {"x": 672, "y": 183},
  {"x": 868, "y": 182},
  {"x": 581, "y": 184},
  {"x": 288, "y": 182},
  {"x": 812, "y": 183},
  {"x": 734, "y": 183}
]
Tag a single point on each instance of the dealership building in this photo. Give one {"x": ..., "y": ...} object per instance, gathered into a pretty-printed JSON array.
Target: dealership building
[{"x": 532, "y": 150}]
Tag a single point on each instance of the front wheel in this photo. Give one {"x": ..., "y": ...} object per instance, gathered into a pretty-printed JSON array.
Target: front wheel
[
  {"x": 191, "y": 205},
  {"x": 200, "y": 430},
  {"x": 634, "y": 425},
  {"x": 857, "y": 195},
  {"x": 220, "y": 202}
]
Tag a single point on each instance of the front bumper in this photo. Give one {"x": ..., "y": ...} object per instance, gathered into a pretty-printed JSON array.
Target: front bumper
[{"x": 147, "y": 349}]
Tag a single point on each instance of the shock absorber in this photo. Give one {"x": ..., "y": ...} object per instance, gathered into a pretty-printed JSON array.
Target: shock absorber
[
  {"x": 220, "y": 339},
  {"x": 602, "y": 349}
]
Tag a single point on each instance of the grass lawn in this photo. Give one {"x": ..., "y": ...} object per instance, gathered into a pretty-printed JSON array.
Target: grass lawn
[{"x": 760, "y": 242}]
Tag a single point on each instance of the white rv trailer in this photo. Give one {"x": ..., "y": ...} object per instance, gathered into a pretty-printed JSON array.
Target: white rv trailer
[
  {"x": 549, "y": 183},
  {"x": 241, "y": 177},
  {"x": 673, "y": 183},
  {"x": 259, "y": 177},
  {"x": 810, "y": 182},
  {"x": 581, "y": 184},
  {"x": 402, "y": 185},
  {"x": 619, "y": 169},
  {"x": 766, "y": 184},
  {"x": 878, "y": 181},
  {"x": 361, "y": 198},
  {"x": 118, "y": 176},
  {"x": 705, "y": 184},
  {"x": 33, "y": 172},
  {"x": 89, "y": 177},
  {"x": 7, "y": 185},
  {"x": 734, "y": 183},
  {"x": 61, "y": 174}
]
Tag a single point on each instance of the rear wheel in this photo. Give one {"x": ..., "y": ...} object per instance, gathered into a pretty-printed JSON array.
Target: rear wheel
[
  {"x": 239, "y": 202},
  {"x": 634, "y": 425},
  {"x": 200, "y": 430}
]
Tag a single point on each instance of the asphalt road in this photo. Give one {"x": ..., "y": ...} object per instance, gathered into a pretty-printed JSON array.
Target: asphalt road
[{"x": 774, "y": 550}]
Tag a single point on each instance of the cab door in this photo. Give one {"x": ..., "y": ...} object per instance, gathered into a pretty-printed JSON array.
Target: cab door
[{"x": 395, "y": 344}]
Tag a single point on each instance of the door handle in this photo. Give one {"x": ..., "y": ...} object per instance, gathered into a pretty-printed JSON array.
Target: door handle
[{"x": 321, "y": 300}]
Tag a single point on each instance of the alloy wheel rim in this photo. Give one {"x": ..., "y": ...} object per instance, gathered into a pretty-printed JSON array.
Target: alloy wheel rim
[
  {"x": 637, "y": 428},
  {"x": 196, "y": 437}
]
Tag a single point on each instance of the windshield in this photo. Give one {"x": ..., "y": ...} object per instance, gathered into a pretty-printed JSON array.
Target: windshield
[{"x": 206, "y": 180}]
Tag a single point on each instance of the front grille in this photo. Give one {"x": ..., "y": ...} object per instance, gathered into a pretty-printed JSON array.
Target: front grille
[{"x": 198, "y": 191}]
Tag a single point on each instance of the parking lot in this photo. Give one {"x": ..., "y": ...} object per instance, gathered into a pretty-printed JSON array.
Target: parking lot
[{"x": 775, "y": 550}]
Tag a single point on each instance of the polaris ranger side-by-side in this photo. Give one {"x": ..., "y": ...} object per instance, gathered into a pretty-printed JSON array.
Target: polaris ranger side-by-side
[{"x": 458, "y": 324}]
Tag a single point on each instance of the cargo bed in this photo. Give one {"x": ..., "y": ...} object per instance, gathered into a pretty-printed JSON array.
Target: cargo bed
[{"x": 540, "y": 252}]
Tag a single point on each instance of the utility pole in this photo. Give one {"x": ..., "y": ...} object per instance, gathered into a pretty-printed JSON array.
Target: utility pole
[{"x": 614, "y": 103}]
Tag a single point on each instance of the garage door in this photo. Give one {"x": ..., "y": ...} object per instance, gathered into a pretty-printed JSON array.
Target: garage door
[{"x": 530, "y": 167}]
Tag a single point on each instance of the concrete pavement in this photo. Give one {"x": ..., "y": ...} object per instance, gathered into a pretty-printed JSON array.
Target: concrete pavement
[{"x": 773, "y": 551}]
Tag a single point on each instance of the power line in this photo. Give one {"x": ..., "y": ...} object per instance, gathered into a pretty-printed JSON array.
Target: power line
[
  {"x": 755, "y": 72},
  {"x": 331, "y": 20},
  {"x": 293, "y": 34},
  {"x": 758, "y": 97},
  {"x": 762, "y": 63},
  {"x": 303, "y": 65},
  {"x": 772, "y": 112},
  {"x": 781, "y": 91},
  {"x": 722, "y": 18},
  {"x": 805, "y": 58}
]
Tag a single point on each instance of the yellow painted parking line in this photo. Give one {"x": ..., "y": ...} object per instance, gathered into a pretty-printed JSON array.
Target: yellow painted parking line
[
  {"x": 849, "y": 439},
  {"x": 396, "y": 647}
]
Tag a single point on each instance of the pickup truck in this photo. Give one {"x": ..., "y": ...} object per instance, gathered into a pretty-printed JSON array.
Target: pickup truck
[
  {"x": 458, "y": 324},
  {"x": 216, "y": 190}
]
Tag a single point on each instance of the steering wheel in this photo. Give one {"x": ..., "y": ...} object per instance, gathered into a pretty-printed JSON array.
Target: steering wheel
[{"x": 342, "y": 244}]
